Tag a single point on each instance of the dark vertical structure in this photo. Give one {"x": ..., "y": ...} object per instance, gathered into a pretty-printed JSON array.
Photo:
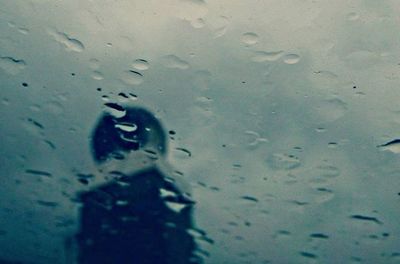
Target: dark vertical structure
[{"x": 129, "y": 220}]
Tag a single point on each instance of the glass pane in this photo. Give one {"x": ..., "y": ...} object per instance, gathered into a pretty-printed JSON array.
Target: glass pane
[{"x": 282, "y": 122}]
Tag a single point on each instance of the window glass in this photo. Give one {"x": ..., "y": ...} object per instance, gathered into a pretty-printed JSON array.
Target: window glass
[{"x": 282, "y": 116}]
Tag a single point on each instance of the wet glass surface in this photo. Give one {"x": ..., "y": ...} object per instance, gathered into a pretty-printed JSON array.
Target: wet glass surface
[{"x": 282, "y": 118}]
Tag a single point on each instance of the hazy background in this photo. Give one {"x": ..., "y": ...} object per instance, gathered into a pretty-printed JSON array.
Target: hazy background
[{"x": 282, "y": 104}]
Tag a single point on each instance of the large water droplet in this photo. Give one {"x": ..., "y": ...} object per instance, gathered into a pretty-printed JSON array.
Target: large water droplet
[
  {"x": 115, "y": 110},
  {"x": 34, "y": 127},
  {"x": 254, "y": 139},
  {"x": 96, "y": 75},
  {"x": 365, "y": 218},
  {"x": 24, "y": 31},
  {"x": 141, "y": 65},
  {"x": 249, "y": 38},
  {"x": 69, "y": 43},
  {"x": 220, "y": 26},
  {"x": 291, "y": 59},
  {"x": 176, "y": 207},
  {"x": 262, "y": 56},
  {"x": 132, "y": 77},
  {"x": 12, "y": 66},
  {"x": 164, "y": 193},
  {"x": 324, "y": 195},
  {"x": 181, "y": 153},
  {"x": 392, "y": 146}
]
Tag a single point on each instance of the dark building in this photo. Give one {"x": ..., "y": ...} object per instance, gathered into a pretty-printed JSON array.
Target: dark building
[{"x": 140, "y": 215}]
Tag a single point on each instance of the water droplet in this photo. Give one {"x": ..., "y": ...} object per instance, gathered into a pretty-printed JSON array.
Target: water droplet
[
  {"x": 115, "y": 110},
  {"x": 366, "y": 219},
  {"x": 123, "y": 96},
  {"x": 127, "y": 127},
  {"x": 94, "y": 64},
  {"x": 392, "y": 146},
  {"x": 24, "y": 31},
  {"x": 220, "y": 32},
  {"x": 330, "y": 110},
  {"x": 198, "y": 23},
  {"x": 84, "y": 178},
  {"x": 249, "y": 38},
  {"x": 176, "y": 207},
  {"x": 34, "y": 127},
  {"x": 249, "y": 198},
  {"x": 308, "y": 255},
  {"x": 182, "y": 153},
  {"x": 122, "y": 203},
  {"x": 262, "y": 56},
  {"x": 12, "y": 66},
  {"x": 96, "y": 75},
  {"x": 132, "y": 77},
  {"x": 164, "y": 193},
  {"x": 291, "y": 59},
  {"x": 141, "y": 64},
  {"x": 174, "y": 62},
  {"x": 220, "y": 26},
  {"x": 319, "y": 235},
  {"x": 69, "y": 43},
  {"x": 283, "y": 161},
  {"x": 254, "y": 139},
  {"x": 38, "y": 172},
  {"x": 133, "y": 96},
  {"x": 324, "y": 195},
  {"x": 332, "y": 145}
]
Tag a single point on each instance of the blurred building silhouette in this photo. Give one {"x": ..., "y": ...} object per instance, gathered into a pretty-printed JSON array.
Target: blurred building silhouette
[{"x": 142, "y": 214}]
